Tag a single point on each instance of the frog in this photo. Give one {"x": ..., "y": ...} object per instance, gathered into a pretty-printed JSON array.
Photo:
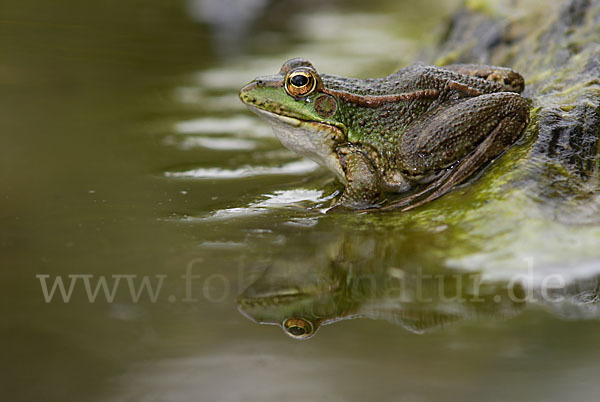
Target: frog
[{"x": 411, "y": 136}]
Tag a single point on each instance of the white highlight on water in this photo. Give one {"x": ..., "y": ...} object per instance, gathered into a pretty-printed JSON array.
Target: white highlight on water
[
  {"x": 240, "y": 124},
  {"x": 293, "y": 168},
  {"x": 279, "y": 199},
  {"x": 220, "y": 144}
]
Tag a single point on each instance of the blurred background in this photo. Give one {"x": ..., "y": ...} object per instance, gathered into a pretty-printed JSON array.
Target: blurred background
[{"x": 125, "y": 151}]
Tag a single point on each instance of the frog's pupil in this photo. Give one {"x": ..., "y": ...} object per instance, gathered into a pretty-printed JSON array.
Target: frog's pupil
[
  {"x": 297, "y": 331},
  {"x": 299, "y": 80}
]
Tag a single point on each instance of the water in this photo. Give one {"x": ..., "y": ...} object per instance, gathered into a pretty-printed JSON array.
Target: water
[{"x": 126, "y": 154}]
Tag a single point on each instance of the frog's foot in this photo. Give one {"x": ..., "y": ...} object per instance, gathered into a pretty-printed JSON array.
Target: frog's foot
[
  {"x": 363, "y": 184},
  {"x": 509, "y": 79},
  {"x": 361, "y": 193},
  {"x": 411, "y": 200},
  {"x": 351, "y": 205},
  {"x": 490, "y": 148}
]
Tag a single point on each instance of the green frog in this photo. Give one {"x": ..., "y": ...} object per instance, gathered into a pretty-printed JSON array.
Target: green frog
[{"x": 418, "y": 132}]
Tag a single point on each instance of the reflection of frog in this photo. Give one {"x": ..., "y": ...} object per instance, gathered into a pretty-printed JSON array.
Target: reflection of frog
[
  {"x": 343, "y": 281},
  {"x": 356, "y": 277},
  {"x": 283, "y": 297},
  {"x": 421, "y": 130}
]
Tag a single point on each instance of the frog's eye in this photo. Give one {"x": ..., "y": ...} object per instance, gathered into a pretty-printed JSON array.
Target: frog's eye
[
  {"x": 300, "y": 82},
  {"x": 298, "y": 328}
]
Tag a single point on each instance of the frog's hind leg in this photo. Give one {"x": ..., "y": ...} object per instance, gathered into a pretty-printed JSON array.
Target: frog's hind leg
[
  {"x": 451, "y": 178},
  {"x": 502, "y": 136}
]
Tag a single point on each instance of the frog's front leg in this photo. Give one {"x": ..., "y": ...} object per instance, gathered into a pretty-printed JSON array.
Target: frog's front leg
[{"x": 363, "y": 182}]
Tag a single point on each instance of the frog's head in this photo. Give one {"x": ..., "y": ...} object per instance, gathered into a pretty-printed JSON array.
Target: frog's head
[{"x": 304, "y": 118}]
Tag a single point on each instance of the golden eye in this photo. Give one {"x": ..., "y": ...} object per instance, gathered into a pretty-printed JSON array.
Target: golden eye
[
  {"x": 298, "y": 328},
  {"x": 300, "y": 82}
]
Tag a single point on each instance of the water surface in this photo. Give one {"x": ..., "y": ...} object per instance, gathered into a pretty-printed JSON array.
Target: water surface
[{"x": 126, "y": 155}]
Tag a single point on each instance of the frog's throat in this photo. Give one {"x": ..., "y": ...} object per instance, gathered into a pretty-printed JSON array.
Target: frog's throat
[{"x": 314, "y": 140}]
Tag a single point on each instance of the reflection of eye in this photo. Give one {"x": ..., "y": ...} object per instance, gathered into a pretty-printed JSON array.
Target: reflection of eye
[
  {"x": 300, "y": 82},
  {"x": 298, "y": 328}
]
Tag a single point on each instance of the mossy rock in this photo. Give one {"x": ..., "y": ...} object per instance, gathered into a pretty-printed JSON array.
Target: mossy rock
[{"x": 555, "y": 45}]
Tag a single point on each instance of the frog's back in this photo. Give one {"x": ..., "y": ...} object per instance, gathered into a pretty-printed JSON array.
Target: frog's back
[
  {"x": 423, "y": 77},
  {"x": 467, "y": 79},
  {"x": 411, "y": 78}
]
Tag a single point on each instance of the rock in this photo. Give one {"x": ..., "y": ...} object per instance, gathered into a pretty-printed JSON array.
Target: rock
[{"x": 556, "y": 46}]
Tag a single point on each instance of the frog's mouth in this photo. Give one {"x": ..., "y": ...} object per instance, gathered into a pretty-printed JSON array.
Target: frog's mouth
[
  {"x": 336, "y": 131},
  {"x": 315, "y": 140}
]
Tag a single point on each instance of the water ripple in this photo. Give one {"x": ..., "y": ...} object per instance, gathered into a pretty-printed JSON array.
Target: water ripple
[
  {"x": 240, "y": 124},
  {"x": 220, "y": 144},
  {"x": 278, "y": 199},
  {"x": 293, "y": 168}
]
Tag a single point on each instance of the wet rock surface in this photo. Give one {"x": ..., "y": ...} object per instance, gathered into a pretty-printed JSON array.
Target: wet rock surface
[{"x": 556, "y": 46}]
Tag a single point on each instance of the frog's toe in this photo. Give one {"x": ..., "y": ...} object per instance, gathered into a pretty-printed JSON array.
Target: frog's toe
[{"x": 349, "y": 203}]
